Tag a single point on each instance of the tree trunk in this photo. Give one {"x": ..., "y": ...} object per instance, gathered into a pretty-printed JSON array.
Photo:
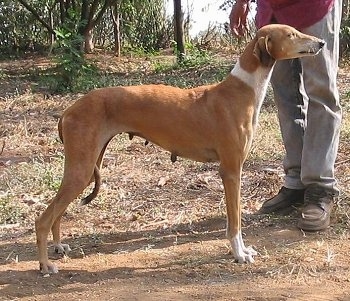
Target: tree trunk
[
  {"x": 89, "y": 43},
  {"x": 116, "y": 30},
  {"x": 346, "y": 10},
  {"x": 179, "y": 30},
  {"x": 91, "y": 17},
  {"x": 345, "y": 37},
  {"x": 52, "y": 36}
]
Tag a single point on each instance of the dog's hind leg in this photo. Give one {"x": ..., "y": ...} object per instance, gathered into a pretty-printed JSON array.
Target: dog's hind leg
[
  {"x": 50, "y": 219},
  {"x": 79, "y": 166},
  {"x": 59, "y": 247}
]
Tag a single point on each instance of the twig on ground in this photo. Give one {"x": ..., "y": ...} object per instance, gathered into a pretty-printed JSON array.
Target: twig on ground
[{"x": 2, "y": 148}]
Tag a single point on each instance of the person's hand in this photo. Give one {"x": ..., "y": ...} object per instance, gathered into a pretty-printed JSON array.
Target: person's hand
[{"x": 238, "y": 17}]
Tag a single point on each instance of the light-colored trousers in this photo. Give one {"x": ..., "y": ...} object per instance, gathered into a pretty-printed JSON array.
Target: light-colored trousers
[{"x": 307, "y": 98}]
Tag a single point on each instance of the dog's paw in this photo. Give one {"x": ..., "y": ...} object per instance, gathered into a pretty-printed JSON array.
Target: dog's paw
[
  {"x": 241, "y": 253},
  {"x": 48, "y": 268},
  {"x": 245, "y": 255},
  {"x": 63, "y": 249},
  {"x": 244, "y": 258},
  {"x": 250, "y": 251}
]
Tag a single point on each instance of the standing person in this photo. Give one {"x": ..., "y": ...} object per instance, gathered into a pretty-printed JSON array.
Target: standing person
[{"x": 309, "y": 111}]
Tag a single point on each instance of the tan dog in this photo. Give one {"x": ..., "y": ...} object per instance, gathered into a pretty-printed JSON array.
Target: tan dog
[{"x": 208, "y": 123}]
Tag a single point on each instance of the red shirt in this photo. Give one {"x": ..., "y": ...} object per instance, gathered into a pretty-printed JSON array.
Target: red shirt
[{"x": 297, "y": 13}]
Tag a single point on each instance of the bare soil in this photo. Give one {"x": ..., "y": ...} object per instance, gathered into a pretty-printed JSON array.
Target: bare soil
[{"x": 157, "y": 230}]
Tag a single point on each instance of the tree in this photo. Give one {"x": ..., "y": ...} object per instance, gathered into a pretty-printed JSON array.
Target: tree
[
  {"x": 19, "y": 29},
  {"x": 115, "y": 14},
  {"x": 179, "y": 30},
  {"x": 143, "y": 24},
  {"x": 91, "y": 14},
  {"x": 90, "y": 11},
  {"x": 137, "y": 25}
]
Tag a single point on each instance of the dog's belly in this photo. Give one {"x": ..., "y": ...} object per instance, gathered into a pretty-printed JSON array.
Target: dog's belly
[
  {"x": 193, "y": 152},
  {"x": 177, "y": 148},
  {"x": 200, "y": 155}
]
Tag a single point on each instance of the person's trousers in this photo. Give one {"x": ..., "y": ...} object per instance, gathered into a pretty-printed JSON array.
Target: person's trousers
[{"x": 307, "y": 98}]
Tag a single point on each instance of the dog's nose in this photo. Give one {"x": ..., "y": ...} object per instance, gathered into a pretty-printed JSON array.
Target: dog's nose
[{"x": 321, "y": 43}]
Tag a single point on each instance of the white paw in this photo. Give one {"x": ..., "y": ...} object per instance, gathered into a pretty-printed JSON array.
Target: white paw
[
  {"x": 244, "y": 258},
  {"x": 250, "y": 251},
  {"x": 63, "y": 249},
  {"x": 240, "y": 252}
]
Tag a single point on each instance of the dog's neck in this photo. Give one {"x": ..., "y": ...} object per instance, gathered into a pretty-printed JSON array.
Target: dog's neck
[{"x": 257, "y": 79}]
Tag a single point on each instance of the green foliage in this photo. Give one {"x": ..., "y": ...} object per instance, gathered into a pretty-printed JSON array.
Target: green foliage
[
  {"x": 198, "y": 68},
  {"x": 72, "y": 67},
  {"x": 19, "y": 30},
  {"x": 194, "y": 56},
  {"x": 143, "y": 24},
  {"x": 50, "y": 179},
  {"x": 161, "y": 67},
  {"x": 345, "y": 37}
]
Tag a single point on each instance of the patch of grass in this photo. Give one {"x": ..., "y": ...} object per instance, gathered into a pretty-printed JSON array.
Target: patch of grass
[
  {"x": 55, "y": 82},
  {"x": 267, "y": 142},
  {"x": 50, "y": 178},
  {"x": 345, "y": 129},
  {"x": 10, "y": 213},
  {"x": 46, "y": 176},
  {"x": 195, "y": 57},
  {"x": 35, "y": 178}
]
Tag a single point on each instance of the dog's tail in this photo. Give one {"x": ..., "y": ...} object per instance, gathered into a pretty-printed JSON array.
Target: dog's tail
[{"x": 96, "y": 189}]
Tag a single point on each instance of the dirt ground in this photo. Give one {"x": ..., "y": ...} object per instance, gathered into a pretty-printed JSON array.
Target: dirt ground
[{"x": 157, "y": 230}]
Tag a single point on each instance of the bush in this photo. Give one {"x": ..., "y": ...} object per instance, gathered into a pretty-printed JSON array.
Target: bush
[{"x": 72, "y": 69}]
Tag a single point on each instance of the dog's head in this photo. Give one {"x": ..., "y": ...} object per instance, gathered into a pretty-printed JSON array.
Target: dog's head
[{"x": 280, "y": 42}]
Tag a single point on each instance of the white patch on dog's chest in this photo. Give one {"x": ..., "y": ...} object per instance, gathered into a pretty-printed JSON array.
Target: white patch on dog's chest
[{"x": 257, "y": 80}]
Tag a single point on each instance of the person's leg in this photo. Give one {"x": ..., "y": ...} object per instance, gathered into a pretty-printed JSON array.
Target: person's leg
[
  {"x": 324, "y": 112},
  {"x": 321, "y": 137},
  {"x": 308, "y": 86},
  {"x": 291, "y": 101},
  {"x": 311, "y": 146}
]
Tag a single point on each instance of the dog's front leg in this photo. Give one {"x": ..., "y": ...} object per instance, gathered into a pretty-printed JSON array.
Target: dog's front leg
[{"x": 231, "y": 177}]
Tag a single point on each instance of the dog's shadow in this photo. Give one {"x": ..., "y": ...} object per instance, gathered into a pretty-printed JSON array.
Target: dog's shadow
[
  {"x": 129, "y": 241},
  {"x": 15, "y": 280},
  {"x": 114, "y": 242},
  {"x": 17, "y": 277}
]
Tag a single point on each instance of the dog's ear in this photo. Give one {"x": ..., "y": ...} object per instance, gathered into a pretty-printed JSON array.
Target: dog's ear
[{"x": 262, "y": 50}]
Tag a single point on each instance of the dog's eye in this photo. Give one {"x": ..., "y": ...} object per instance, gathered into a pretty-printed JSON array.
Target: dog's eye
[{"x": 291, "y": 35}]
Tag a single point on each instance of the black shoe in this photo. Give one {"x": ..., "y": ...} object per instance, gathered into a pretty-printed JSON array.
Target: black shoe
[
  {"x": 284, "y": 202},
  {"x": 316, "y": 213}
]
